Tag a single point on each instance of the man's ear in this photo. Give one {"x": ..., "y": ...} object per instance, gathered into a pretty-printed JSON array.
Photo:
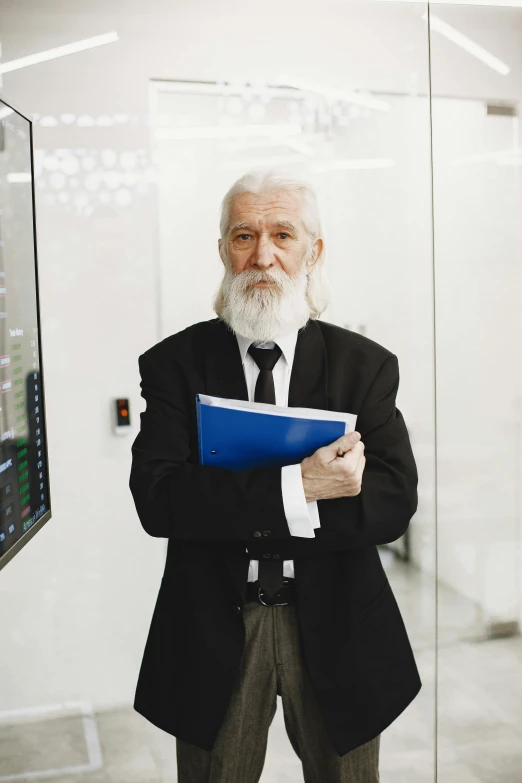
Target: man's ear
[
  {"x": 220, "y": 244},
  {"x": 316, "y": 252}
]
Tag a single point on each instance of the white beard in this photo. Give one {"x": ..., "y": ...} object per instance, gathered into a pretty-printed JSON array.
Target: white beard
[{"x": 261, "y": 314}]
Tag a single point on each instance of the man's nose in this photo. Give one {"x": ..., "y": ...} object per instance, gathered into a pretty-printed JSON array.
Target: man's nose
[{"x": 264, "y": 255}]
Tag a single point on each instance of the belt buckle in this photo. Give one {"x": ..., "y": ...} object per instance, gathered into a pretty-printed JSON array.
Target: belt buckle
[{"x": 260, "y": 590}]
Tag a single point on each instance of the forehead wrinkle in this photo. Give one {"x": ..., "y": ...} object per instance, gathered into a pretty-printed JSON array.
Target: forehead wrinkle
[{"x": 258, "y": 205}]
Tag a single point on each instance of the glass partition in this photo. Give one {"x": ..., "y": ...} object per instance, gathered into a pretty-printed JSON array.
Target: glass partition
[{"x": 477, "y": 208}]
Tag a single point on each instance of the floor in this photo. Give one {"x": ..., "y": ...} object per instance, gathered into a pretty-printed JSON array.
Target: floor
[{"x": 479, "y": 720}]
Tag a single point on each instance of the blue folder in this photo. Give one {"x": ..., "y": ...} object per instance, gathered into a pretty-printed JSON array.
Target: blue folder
[{"x": 239, "y": 439}]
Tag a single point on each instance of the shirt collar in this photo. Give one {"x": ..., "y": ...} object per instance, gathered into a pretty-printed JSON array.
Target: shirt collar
[{"x": 286, "y": 342}]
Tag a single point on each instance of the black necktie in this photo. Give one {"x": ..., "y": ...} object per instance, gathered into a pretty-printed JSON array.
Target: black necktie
[
  {"x": 270, "y": 569},
  {"x": 266, "y": 359}
]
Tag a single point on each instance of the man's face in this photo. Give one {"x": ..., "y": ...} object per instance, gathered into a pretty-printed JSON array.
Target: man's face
[
  {"x": 265, "y": 282},
  {"x": 266, "y": 233}
]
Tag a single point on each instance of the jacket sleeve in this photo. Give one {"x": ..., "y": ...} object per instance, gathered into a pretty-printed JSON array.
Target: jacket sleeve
[
  {"x": 382, "y": 511},
  {"x": 175, "y": 497}
]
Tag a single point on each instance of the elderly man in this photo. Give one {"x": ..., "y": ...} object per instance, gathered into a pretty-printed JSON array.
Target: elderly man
[{"x": 273, "y": 583}]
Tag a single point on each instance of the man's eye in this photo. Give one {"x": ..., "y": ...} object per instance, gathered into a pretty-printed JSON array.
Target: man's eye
[
  {"x": 283, "y": 234},
  {"x": 244, "y": 236}
]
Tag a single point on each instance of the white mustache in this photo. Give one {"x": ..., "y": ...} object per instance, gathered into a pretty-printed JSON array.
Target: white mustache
[{"x": 251, "y": 277}]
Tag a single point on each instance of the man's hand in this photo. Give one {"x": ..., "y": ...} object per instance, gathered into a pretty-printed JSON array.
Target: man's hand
[{"x": 327, "y": 475}]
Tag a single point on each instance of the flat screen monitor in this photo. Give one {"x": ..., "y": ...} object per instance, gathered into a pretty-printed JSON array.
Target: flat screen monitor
[{"x": 24, "y": 477}]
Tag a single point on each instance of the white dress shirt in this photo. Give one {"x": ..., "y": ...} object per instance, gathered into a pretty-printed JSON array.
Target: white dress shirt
[{"x": 302, "y": 517}]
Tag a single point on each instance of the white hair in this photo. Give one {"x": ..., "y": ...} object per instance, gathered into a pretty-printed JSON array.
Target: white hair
[{"x": 261, "y": 181}]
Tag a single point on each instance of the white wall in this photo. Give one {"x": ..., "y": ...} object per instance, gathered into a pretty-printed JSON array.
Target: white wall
[{"x": 74, "y": 615}]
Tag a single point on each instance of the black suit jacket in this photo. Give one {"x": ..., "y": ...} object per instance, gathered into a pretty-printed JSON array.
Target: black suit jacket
[{"x": 356, "y": 647}]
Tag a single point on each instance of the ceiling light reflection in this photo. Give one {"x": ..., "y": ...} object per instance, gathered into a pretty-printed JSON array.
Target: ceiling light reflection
[
  {"x": 467, "y": 44},
  {"x": 19, "y": 177},
  {"x": 352, "y": 164},
  {"x": 282, "y": 160},
  {"x": 59, "y": 51},
  {"x": 227, "y": 131},
  {"x": 336, "y": 93}
]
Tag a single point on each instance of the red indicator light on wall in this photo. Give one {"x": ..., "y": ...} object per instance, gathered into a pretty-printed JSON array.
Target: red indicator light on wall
[{"x": 122, "y": 412}]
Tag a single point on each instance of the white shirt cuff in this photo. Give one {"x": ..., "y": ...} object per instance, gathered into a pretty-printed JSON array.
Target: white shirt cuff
[
  {"x": 313, "y": 511},
  {"x": 302, "y": 517}
]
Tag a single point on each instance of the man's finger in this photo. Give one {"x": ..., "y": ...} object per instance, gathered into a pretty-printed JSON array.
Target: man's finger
[
  {"x": 338, "y": 447},
  {"x": 352, "y": 458},
  {"x": 346, "y": 442}
]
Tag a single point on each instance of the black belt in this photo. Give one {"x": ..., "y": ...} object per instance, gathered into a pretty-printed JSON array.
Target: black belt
[{"x": 286, "y": 595}]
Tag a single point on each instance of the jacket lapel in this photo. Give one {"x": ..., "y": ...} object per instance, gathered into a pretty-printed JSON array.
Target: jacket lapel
[
  {"x": 309, "y": 378},
  {"x": 224, "y": 375}
]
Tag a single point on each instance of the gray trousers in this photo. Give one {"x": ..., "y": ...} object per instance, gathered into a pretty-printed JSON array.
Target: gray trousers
[{"x": 273, "y": 664}]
